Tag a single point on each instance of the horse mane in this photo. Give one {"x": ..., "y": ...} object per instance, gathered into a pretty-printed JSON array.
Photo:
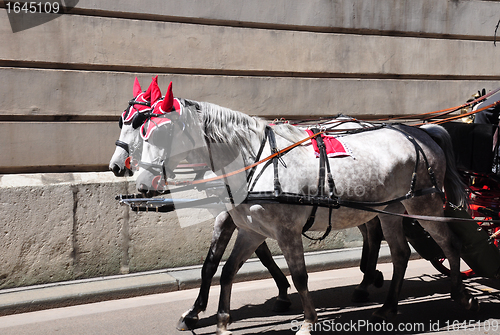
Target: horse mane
[
  {"x": 224, "y": 125},
  {"x": 289, "y": 132}
]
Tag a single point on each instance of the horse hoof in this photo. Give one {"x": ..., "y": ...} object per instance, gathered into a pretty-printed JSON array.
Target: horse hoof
[
  {"x": 377, "y": 318},
  {"x": 381, "y": 316},
  {"x": 223, "y": 332},
  {"x": 305, "y": 329},
  {"x": 360, "y": 296},
  {"x": 473, "y": 305},
  {"x": 281, "y": 305},
  {"x": 466, "y": 300},
  {"x": 378, "y": 282},
  {"x": 187, "y": 322}
]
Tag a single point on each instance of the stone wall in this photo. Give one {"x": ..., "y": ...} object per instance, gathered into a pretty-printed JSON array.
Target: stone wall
[{"x": 66, "y": 226}]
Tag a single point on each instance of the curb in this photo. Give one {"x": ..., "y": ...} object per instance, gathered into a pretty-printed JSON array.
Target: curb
[{"x": 32, "y": 298}]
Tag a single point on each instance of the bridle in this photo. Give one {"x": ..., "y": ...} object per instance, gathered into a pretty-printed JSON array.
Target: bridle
[
  {"x": 161, "y": 167},
  {"x": 123, "y": 145},
  {"x": 136, "y": 122}
]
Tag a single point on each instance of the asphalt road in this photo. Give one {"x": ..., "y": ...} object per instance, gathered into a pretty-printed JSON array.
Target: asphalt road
[{"x": 425, "y": 307}]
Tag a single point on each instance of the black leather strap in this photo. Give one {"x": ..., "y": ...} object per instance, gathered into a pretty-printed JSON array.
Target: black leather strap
[
  {"x": 274, "y": 149},
  {"x": 123, "y": 145},
  {"x": 323, "y": 164}
]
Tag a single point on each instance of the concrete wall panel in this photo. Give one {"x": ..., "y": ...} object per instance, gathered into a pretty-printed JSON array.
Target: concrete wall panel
[
  {"x": 37, "y": 145},
  {"x": 163, "y": 45},
  {"x": 36, "y": 235},
  {"x": 465, "y": 17},
  {"x": 73, "y": 146},
  {"x": 106, "y": 94},
  {"x": 100, "y": 230},
  {"x": 64, "y": 94}
]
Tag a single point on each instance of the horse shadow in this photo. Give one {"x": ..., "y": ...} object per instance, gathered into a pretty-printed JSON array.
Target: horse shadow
[{"x": 425, "y": 306}]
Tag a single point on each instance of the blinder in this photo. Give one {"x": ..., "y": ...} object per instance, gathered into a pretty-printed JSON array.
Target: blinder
[
  {"x": 139, "y": 119},
  {"x": 127, "y": 117}
]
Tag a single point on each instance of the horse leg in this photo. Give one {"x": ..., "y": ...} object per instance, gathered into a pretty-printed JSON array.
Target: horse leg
[
  {"x": 293, "y": 251},
  {"x": 282, "y": 303},
  {"x": 223, "y": 230},
  {"x": 392, "y": 227},
  {"x": 372, "y": 237},
  {"x": 450, "y": 244},
  {"x": 246, "y": 243},
  {"x": 375, "y": 237}
]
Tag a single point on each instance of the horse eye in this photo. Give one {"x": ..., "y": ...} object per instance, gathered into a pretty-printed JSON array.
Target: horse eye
[{"x": 120, "y": 123}]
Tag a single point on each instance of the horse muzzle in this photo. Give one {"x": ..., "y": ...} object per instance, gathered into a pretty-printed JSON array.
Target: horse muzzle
[{"x": 120, "y": 172}]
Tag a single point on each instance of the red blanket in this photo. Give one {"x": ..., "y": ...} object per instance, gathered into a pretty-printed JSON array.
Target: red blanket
[{"x": 334, "y": 148}]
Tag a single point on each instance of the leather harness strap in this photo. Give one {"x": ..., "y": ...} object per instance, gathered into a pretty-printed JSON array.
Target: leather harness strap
[
  {"x": 246, "y": 168},
  {"x": 366, "y": 205},
  {"x": 274, "y": 150},
  {"x": 323, "y": 163},
  {"x": 426, "y": 116},
  {"x": 123, "y": 145}
]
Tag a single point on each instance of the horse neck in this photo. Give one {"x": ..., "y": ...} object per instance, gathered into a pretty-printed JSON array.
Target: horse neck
[{"x": 230, "y": 136}]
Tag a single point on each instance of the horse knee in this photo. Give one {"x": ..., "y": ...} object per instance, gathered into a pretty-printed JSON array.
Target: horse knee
[
  {"x": 300, "y": 281},
  {"x": 406, "y": 252},
  {"x": 226, "y": 278}
]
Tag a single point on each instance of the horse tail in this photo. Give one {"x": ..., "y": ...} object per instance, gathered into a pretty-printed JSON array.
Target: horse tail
[{"x": 453, "y": 185}]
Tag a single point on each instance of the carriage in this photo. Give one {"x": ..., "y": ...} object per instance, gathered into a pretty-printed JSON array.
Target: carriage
[{"x": 478, "y": 247}]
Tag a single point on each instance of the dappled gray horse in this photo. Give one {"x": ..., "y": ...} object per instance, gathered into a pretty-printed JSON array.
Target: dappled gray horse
[{"x": 387, "y": 167}]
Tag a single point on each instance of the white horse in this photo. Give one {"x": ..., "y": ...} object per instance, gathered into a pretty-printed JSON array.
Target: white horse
[
  {"x": 379, "y": 170},
  {"x": 129, "y": 145}
]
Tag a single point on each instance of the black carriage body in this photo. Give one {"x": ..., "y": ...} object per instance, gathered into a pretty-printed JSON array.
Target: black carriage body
[{"x": 473, "y": 145}]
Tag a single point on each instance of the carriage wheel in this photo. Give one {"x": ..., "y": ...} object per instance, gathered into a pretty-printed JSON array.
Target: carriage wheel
[
  {"x": 496, "y": 234},
  {"x": 442, "y": 266}
]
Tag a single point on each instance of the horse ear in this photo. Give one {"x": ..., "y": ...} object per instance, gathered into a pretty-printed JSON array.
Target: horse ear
[
  {"x": 137, "y": 87},
  {"x": 147, "y": 94},
  {"x": 155, "y": 91},
  {"x": 168, "y": 101}
]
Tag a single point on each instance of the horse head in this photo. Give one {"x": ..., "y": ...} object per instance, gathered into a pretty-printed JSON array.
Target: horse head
[
  {"x": 170, "y": 134},
  {"x": 129, "y": 144}
]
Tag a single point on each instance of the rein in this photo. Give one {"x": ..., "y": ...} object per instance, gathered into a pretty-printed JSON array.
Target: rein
[
  {"x": 429, "y": 115},
  {"x": 276, "y": 154},
  {"x": 497, "y": 103},
  {"x": 331, "y": 201}
]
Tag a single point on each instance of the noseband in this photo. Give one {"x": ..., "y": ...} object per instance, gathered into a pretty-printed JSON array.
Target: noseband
[{"x": 123, "y": 145}]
